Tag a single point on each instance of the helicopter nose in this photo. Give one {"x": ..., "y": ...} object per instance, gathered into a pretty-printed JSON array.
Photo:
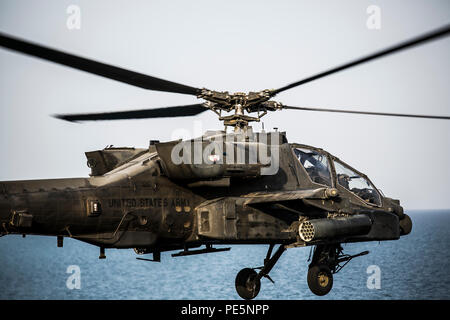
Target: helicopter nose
[{"x": 405, "y": 225}]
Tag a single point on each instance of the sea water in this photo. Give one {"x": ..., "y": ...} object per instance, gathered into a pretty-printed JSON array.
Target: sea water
[{"x": 413, "y": 267}]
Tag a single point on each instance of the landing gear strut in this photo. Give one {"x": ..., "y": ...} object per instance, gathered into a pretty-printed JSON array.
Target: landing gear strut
[
  {"x": 327, "y": 261},
  {"x": 248, "y": 281}
]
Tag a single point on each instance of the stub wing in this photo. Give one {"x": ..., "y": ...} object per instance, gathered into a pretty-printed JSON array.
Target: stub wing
[{"x": 269, "y": 197}]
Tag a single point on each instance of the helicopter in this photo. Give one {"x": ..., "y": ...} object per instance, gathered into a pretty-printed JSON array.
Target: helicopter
[{"x": 223, "y": 188}]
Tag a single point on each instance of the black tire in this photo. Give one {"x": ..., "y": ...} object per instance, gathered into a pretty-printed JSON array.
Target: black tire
[
  {"x": 247, "y": 284},
  {"x": 320, "y": 279}
]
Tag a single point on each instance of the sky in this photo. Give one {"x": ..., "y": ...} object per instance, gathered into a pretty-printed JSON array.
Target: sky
[{"x": 236, "y": 46}]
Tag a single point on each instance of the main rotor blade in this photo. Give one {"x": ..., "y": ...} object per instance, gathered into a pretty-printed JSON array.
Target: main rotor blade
[
  {"x": 91, "y": 66},
  {"x": 433, "y": 35},
  {"x": 178, "y": 111},
  {"x": 370, "y": 113}
]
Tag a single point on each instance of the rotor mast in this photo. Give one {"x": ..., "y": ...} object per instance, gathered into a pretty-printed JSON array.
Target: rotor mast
[{"x": 240, "y": 103}]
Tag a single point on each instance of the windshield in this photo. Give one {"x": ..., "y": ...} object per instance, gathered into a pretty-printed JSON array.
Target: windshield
[
  {"x": 353, "y": 182},
  {"x": 316, "y": 165}
]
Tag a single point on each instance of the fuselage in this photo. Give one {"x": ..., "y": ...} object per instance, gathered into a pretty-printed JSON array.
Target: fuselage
[
  {"x": 99, "y": 209},
  {"x": 137, "y": 204}
]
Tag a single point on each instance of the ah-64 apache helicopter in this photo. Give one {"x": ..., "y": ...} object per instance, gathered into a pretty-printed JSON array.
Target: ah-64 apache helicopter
[{"x": 239, "y": 187}]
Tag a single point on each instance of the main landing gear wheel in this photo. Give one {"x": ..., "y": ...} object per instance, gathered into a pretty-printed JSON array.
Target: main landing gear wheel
[
  {"x": 247, "y": 283},
  {"x": 320, "y": 279}
]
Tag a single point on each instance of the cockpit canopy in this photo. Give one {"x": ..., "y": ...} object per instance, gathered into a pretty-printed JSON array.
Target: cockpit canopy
[{"x": 327, "y": 170}]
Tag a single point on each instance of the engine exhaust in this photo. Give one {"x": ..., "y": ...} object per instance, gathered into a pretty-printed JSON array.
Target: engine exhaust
[{"x": 317, "y": 229}]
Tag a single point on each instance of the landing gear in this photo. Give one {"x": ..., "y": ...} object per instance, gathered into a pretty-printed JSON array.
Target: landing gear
[
  {"x": 320, "y": 279},
  {"x": 327, "y": 261},
  {"x": 248, "y": 281}
]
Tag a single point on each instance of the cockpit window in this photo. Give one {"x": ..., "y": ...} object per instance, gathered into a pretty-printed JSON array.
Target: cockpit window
[
  {"x": 360, "y": 186},
  {"x": 316, "y": 165}
]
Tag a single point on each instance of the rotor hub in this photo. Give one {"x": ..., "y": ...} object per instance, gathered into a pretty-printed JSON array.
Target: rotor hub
[{"x": 239, "y": 103}]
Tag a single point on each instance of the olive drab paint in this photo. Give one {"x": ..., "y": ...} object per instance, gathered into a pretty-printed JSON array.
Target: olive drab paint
[{"x": 138, "y": 198}]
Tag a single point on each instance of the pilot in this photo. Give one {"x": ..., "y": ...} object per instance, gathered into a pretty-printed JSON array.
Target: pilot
[{"x": 343, "y": 180}]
